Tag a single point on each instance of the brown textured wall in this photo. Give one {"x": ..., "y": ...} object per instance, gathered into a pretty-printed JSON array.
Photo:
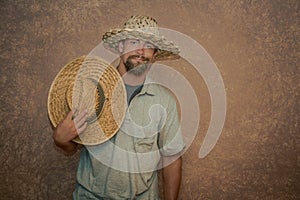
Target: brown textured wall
[{"x": 255, "y": 45}]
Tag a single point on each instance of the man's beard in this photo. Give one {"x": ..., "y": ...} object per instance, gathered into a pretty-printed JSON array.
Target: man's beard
[{"x": 138, "y": 68}]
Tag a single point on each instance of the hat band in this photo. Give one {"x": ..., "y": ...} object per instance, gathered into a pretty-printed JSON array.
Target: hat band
[{"x": 99, "y": 99}]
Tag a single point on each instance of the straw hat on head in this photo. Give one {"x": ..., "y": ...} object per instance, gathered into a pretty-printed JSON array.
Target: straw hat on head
[
  {"x": 145, "y": 28},
  {"x": 92, "y": 84}
]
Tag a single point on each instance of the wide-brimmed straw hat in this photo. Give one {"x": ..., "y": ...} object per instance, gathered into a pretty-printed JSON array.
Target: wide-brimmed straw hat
[
  {"x": 89, "y": 83},
  {"x": 144, "y": 28}
]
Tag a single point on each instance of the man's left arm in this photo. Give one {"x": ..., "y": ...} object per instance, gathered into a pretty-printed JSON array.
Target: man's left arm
[
  {"x": 171, "y": 146},
  {"x": 172, "y": 179}
]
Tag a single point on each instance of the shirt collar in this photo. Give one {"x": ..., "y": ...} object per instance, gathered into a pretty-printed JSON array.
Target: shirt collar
[{"x": 148, "y": 87}]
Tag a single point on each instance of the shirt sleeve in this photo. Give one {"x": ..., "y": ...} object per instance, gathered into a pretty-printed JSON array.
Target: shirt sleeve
[{"x": 170, "y": 139}]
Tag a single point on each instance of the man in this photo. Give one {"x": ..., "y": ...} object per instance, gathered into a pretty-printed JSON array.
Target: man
[{"x": 151, "y": 125}]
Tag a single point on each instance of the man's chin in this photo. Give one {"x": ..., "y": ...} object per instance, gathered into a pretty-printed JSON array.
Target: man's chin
[
  {"x": 136, "y": 67},
  {"x": 138, "y": 70}
]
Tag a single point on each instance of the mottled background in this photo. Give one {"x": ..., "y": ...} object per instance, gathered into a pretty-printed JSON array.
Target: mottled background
[{"x": 255, "y": 45}]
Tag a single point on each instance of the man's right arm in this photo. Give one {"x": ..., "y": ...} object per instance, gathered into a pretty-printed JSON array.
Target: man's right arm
[{"x": 68, "y": 129}]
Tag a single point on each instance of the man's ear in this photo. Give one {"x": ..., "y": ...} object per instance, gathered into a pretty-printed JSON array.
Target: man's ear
[{"x": 121, "y": 46}]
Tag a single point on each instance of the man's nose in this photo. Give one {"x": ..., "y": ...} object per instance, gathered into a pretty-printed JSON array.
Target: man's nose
[{"x": 141, "y": 48}]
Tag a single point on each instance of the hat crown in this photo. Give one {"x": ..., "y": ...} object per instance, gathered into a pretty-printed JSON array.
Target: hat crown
[
  {"x": 144, "y": 28},
  {"x": 138, "y": 22}
]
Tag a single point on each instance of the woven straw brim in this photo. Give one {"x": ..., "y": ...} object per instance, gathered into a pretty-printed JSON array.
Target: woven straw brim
[
  {"x": 166, "y": 49},
  {"x": 73, "y": 88}
]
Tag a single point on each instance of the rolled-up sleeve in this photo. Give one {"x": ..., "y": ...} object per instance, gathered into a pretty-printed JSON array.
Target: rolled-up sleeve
[{"x": 170, "y": 137}]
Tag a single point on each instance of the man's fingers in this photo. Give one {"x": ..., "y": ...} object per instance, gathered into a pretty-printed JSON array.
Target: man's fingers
[
  {"x": 80, "y": 116},
  {"x": 74, "y": 112},
  {"x": 80, "y": 122},
  {"x": 70, "y": 115},
  {"x": 81, "y": 129}
]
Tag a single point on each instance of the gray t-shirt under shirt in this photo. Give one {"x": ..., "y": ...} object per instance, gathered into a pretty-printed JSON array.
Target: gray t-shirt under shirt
[{"x": 131, "y": 91}]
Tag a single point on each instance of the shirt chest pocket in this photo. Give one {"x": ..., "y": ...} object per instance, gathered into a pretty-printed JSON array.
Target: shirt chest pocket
[{"x": 146, "y": 145}]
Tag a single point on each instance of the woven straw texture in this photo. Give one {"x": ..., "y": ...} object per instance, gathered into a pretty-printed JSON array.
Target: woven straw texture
[
  {"x": 145, "y": 28},
  {"x": 92, "y": 84}
]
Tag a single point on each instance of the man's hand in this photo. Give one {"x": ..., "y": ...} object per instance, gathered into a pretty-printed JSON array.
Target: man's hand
[{"x": 68, "y": 129}]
